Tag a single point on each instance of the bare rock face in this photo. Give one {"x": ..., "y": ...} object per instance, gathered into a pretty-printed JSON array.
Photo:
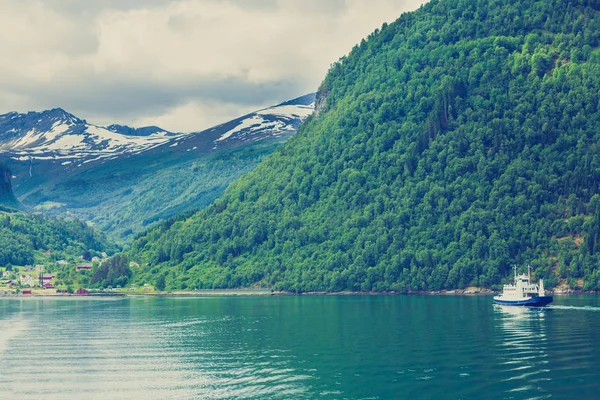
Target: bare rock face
[
  {"x": 7, "y": 197},
  {"x": 321, "y": 100},
  {"x": 5, "y": 186}
]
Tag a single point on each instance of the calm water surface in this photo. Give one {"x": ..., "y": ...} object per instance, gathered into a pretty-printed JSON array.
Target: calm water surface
[{"x": 380, "y": 347}]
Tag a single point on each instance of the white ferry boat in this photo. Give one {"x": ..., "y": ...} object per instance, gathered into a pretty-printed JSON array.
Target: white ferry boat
[{"x": 523, "y": 293}]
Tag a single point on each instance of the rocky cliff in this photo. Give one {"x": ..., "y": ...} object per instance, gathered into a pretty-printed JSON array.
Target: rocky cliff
[{"x": 7, "y": 198}]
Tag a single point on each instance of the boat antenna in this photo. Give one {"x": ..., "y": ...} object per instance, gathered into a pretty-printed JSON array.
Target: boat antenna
[
  {"x": 529, "y": 271},
  {"x": 515, "y": 268}
]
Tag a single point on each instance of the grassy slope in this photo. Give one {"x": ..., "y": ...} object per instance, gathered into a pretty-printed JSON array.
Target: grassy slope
[
  {"x": 125, "y": 196},
  {"x": 123, "y": 207}
]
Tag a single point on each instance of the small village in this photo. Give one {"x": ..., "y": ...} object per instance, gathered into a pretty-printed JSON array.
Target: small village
[{"x": 58, "y": 278}]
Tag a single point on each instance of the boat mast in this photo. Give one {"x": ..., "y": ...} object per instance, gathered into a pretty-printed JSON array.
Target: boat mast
[{"x": 515, "y": 268}]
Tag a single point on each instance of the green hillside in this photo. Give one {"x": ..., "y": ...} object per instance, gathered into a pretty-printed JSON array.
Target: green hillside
[
  {"x": 26, "y": 239},
  {"x": 126, "y": 196},
  {"x": 448, "y": 146}
]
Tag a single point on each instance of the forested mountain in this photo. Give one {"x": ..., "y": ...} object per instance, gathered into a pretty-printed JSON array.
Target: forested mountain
[
  {"x": 122, "y": 179},
  {"x": 449, "y": 145}
]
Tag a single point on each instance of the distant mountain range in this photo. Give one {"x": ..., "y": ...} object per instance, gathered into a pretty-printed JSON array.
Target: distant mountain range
[
  {"x": 57, "y": 134},
  {"x": 120, "y": 177}
]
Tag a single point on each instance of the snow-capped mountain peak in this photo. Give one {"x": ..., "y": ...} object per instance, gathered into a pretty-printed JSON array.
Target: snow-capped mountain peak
[
  {"x": 276, "y": 121},
  {"x": 58, "y": 134}
]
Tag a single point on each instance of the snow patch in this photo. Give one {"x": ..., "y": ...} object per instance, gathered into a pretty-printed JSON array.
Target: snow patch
[
  {"x": 66, "y": 142},
  {"x": 253, "y": 122}
]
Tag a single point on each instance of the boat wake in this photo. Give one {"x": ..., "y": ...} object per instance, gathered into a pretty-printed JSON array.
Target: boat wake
[{"x": 582, "y": 308}]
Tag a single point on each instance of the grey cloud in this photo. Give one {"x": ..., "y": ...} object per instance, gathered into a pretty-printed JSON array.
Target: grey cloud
[
  {"x": 130, "y": 98},
  {"x": 327, "y": 6},
  {"x": 89, "y": 8},
  {"x": 158, "y": 64}
]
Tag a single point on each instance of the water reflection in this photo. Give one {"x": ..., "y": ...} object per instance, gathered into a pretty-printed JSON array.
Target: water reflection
[{"x": 523, "y": 351}]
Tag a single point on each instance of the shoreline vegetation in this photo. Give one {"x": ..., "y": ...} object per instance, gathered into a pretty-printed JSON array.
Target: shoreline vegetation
[{"x": 268, "y": 292}]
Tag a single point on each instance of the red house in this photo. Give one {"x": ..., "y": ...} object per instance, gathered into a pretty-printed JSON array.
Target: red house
[
  {"x": 83, "y": 267},
  {"x": 26, "y": 291},
  {"x": 82, "y": 292},
  {"x": 48, "y": 286}
]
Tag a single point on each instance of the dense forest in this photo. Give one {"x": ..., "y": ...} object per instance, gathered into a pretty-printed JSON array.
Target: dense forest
[
  {"x": 114, "y": 272},
  {"x": 449, "y": 145},
  {"x": 23, "y": 236}
]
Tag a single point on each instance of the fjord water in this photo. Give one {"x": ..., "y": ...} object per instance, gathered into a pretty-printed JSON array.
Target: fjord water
[{"x": 304, "y": 347}]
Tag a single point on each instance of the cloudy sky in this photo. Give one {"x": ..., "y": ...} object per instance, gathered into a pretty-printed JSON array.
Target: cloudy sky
[{"x": 183, "y": 65}]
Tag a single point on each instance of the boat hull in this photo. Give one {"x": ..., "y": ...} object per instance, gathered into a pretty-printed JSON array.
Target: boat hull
[{"x": 535, "y": 301}]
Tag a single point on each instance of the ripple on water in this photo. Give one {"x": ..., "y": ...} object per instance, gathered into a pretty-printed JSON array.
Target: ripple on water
[
  {"x": 186, "y": 349},
  {"x": 10, "y": 329},
  {"x": 135, "y": 360}
]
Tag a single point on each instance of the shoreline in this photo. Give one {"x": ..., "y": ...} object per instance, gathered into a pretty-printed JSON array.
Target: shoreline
[{"x": 267, "y": 292}]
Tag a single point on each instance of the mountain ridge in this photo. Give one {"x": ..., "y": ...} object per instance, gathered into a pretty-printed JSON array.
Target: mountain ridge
[
  {"x": 61, "y": 134},
  {"x": 57, "y": 133}
]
